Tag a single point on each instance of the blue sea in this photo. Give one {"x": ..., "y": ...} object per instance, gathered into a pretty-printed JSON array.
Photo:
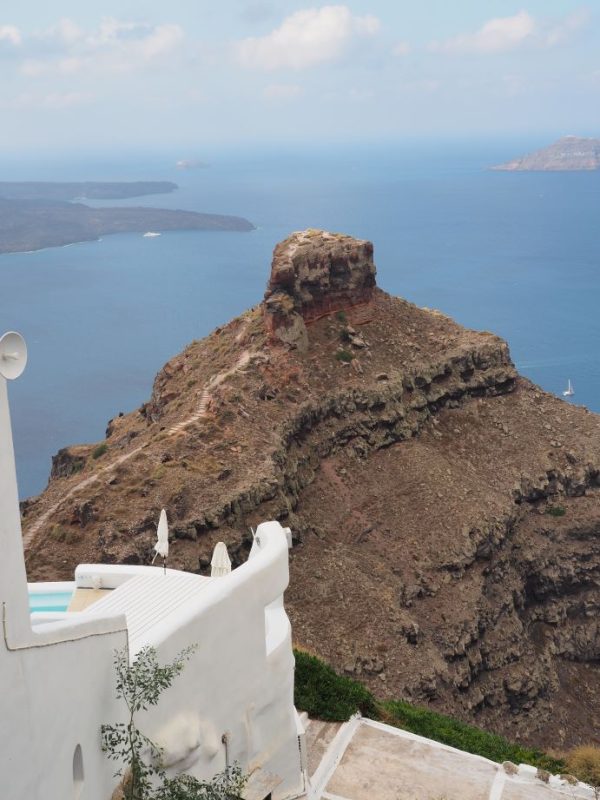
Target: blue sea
[{"x": 517, "y": 254}]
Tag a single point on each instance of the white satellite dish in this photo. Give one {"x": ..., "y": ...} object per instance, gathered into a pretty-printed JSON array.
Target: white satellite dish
[{"x": 13, "y": 355}]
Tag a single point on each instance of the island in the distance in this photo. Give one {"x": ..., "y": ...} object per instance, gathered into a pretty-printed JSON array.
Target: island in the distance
[
  {"x": 36, "y": 215},
  {"x": 570, "y": 153},
  {"x": 83, "y": 190}
]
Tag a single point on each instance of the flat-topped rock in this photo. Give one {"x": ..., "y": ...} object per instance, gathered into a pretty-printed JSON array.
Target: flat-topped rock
[{"x": 315, "y": 273}]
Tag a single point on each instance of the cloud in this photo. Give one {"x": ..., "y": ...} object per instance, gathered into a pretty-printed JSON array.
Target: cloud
[
  {"x": 115, "y": 46},
  {"x": 562, "y": 30},
  {"x": 140, "y": 41},
  {"x": 495, "y": 36},
  {"x": 306, "y": 38},
  {"x": 65, "y": 31},
  {"x": 503, "y": 34},
  {"x": 10, "y": 34},
  {"x": 283, "y": 91}
]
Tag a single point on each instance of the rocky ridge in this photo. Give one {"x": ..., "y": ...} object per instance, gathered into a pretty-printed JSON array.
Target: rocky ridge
[{"x": 445, "y": 510}]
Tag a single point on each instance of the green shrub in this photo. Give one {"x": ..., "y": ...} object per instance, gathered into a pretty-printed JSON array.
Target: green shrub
[
  {"x": 341, "y": 317},
  {"x": 140, "y": 685},
  {"x": 466, "y": 737},
  {"x": 227, "y": 785},
  {"x": 556, "y": 511},
  {"x": 322, "y": 693},
  {"x": 99, "y": 450},
  {"x": 344, "y": 355}
]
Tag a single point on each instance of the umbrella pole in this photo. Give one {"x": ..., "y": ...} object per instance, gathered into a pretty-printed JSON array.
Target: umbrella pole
[{"x": 164, "y": 565}]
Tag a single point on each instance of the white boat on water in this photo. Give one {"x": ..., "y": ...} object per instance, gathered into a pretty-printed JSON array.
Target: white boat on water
[
  {"x": 151, "y": 234},
  {"x": 569, "y": 391}
]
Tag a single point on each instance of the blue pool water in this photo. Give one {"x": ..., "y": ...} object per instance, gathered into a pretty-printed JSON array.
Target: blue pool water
[
  {"x": 49, "y": 601},
  {"x": 514, "y": 253}
]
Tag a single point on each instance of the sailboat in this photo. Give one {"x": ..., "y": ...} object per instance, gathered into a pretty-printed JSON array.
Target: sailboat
[{"x": 569, "y": 391}]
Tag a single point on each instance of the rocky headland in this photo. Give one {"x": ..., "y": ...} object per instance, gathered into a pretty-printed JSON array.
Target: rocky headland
[
  {"x": 445, "y": 511},
  {"x": 570, "y": 153},
  {"x": 35, "y": 215}
]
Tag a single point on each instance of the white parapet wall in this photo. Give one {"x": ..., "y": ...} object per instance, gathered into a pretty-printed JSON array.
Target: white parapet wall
[
  {"x": 56, "y": 690},
  {"x": 233, "y": 702}
]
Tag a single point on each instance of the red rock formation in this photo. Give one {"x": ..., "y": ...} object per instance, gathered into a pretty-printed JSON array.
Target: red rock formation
[{"x": 315, "y": 273}]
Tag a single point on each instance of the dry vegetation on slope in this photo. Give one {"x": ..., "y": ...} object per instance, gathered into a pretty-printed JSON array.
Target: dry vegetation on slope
[{"x": 416, "y": 470}]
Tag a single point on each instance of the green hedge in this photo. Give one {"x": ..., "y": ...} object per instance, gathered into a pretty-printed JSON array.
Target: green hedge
[
  {"x": 466, "y": 737},
  {"x": 324, "y": 694}
]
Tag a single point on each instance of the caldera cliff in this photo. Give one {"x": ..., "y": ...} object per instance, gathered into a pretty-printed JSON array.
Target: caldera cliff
[{"x": 445, "y": 511}]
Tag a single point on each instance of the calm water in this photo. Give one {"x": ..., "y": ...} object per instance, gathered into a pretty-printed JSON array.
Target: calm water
[
  {"x": 50, "y": 601},
  {"x": 517, "y": 254}
]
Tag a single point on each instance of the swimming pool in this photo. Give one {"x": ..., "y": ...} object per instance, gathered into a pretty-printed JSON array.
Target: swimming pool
[{"x": 51, "y": 596}]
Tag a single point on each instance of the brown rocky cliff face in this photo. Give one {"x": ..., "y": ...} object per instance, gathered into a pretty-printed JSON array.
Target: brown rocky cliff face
[
  {"x": 66, "y": 462},
  {"x": 415, "y": 471},
  {"x": 315, "y": 273},
  {"x": 437, "y": 570}
]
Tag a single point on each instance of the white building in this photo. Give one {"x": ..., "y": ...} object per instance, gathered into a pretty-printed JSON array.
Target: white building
[{"x": 232, "y": 703}]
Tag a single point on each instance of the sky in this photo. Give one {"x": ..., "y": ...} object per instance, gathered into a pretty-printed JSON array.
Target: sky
[{"x": 125, "y": 74}]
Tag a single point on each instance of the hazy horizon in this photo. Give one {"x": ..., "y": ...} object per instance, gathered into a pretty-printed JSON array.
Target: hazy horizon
[{"x": 157, "y": 163}]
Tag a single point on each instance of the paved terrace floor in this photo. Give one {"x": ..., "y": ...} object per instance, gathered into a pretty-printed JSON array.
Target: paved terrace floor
[{"x": 366, "y": 760}]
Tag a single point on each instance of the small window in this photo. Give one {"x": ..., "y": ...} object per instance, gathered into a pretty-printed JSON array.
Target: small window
[{"x": 77, "y": 772}]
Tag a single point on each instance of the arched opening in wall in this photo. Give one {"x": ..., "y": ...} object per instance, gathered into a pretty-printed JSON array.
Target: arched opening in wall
[{"x": 77, "y": 772}]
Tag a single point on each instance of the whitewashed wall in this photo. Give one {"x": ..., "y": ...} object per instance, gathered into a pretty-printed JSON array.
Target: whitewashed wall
[{"x": 57, "y": 678}]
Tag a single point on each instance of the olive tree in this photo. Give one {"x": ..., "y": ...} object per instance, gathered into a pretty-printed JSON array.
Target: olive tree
[{"x": 139, "y": 685}]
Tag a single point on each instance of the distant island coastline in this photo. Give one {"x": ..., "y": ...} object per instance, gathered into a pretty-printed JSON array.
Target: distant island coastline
[
  {"x": 83, "y": 190},
  {"x": 568, "y": 154},
  {"x": 36, "y": 215}
]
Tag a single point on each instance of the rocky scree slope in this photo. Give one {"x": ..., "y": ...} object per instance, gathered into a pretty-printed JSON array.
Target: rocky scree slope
[{"x": 445, "y": 510}]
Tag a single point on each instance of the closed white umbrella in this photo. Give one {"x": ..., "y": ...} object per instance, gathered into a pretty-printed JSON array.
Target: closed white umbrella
[
  {"x": 220, "y": 563},
  {"x": 162, "y": 539}
]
